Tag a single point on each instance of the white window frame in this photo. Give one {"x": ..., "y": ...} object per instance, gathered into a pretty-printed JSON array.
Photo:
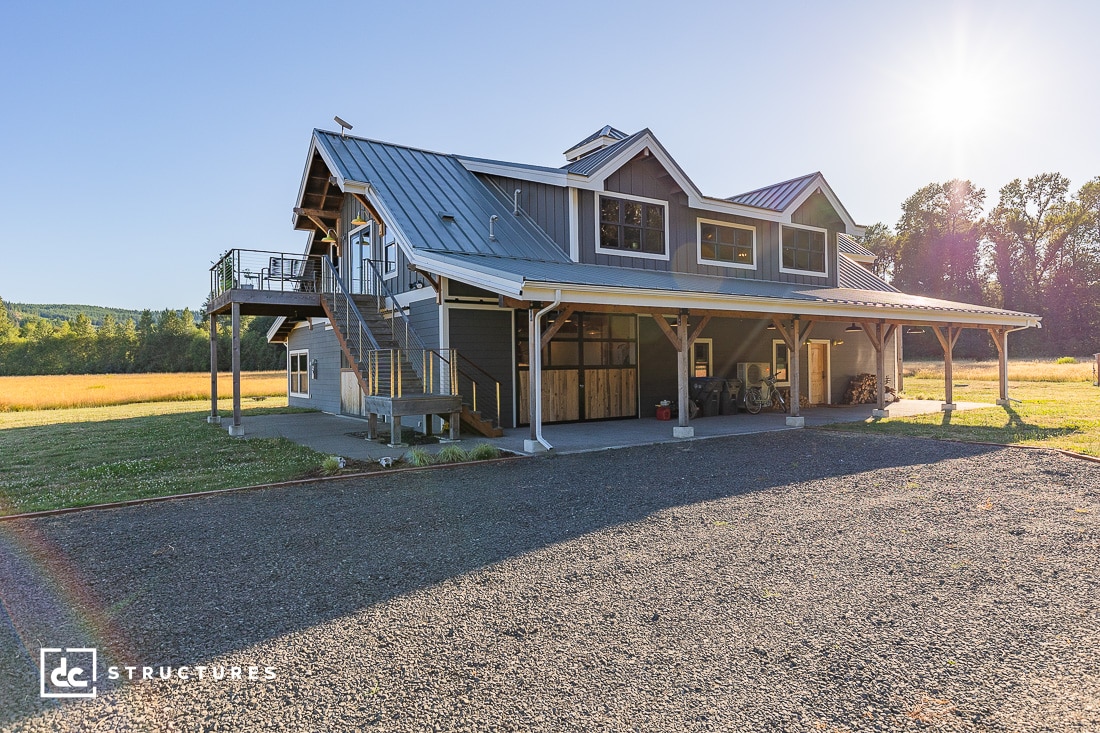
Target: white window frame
[
  {"x": 380, "y": 232},
  {"x": 721, "y": 263},
  {"x": 290, "y": 372},
  {"x": 624, "y": 252},
  {"x": 825, "y": 255},
  {"x": 710, "y": 355},
  {"x": 775, "y": 371}
]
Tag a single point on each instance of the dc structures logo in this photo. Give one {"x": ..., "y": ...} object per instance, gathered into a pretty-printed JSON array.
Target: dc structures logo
[{"x": 67, "y": 672}]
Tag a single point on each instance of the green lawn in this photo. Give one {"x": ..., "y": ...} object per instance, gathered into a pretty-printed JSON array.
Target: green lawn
[
  {"x": 51, "y": 459},
  {"x": 1049, "y": 414}
]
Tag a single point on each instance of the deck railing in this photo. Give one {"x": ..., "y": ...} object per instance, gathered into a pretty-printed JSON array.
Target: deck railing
[
  {"x": 253, "y": 269},
  {"x": 396, "y": 372}
]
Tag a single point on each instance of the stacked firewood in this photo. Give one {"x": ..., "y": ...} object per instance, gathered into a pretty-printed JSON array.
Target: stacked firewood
[{"x": 862, "y": 390}]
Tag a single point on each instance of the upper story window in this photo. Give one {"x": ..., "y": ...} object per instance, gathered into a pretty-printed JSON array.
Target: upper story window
[
  {"x": 727, "y": 244},
  {"x": 631, "y": 226},
  {"x": 803, "y": 250}
]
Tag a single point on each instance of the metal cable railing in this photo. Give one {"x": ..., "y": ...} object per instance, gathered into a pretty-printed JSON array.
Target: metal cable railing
[{"x": 253, "y": 269}]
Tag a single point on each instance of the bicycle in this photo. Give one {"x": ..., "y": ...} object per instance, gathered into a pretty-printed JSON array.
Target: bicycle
[{"x": 759, "y": 396}]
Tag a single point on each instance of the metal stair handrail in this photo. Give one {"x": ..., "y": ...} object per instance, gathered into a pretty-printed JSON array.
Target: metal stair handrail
[{"x": 332, "y": 285}]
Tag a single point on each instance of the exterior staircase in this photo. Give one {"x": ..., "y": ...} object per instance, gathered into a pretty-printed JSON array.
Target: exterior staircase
[{"x": 373, "y": 348}]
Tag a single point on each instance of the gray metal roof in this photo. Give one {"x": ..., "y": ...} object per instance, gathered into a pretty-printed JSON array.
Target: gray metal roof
[
  {"x": 848, "y": 245},
  {"x": 590, "y": 163},
  {"x": 418, "y": 186},
  {"x": 605, "y": 131},
  {"x": 776, "y": 197},
  {"x": 851, "y": 274},
  {"x": 520, "y": 272}
]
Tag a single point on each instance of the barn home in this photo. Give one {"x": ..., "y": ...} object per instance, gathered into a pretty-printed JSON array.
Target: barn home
[{"x": 448, "y": 290}]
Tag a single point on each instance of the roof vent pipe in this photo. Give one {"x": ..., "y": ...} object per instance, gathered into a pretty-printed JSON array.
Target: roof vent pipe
[
  {"x": 492, "y": 220},
  {"x": 515, "y": 202}
]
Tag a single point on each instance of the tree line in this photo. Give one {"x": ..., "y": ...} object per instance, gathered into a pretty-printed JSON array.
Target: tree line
[
  {"x": 1036, "y": 251},
  {"x": 169, "y": 341}
]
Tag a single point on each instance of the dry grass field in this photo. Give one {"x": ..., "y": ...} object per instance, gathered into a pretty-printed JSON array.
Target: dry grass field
[
  {"x": 97, "y": 390},
  {"x": 1021, "y": 370}
]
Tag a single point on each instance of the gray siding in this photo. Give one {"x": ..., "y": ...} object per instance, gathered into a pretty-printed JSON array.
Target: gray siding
[
  {"x": 424, "y": 319},
  {"x": 547, "y": 205},
  {"x": 646, "y": 177},
  {"x": 485, "y": 338},
  {"x": 324, "y": 391},
  {"x": 351, "y": 208}
]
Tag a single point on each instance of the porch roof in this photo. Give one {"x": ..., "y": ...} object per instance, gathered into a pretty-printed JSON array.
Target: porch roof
[{"x": 587, "y": 283}]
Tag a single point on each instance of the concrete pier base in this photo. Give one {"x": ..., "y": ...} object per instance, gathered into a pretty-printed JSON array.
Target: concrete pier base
[
  {"x": 796, "y": 422},
  {"x": 683, "y": 432},
  {"x": 533, "y": 446},
  {"x": 880, "y": 413}
]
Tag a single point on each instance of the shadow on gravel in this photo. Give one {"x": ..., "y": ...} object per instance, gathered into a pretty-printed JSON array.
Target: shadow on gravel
[{"x": 181, "y": 582}]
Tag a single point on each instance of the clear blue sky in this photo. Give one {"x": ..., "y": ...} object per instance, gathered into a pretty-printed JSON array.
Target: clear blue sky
[{"x": 139, "y": 140}]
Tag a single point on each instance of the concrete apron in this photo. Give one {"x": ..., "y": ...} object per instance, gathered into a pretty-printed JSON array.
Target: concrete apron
[{"x": 330, "y": 434}]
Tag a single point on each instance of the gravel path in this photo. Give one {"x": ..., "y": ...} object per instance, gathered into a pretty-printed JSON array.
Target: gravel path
[{"x": 801, "y": 581}]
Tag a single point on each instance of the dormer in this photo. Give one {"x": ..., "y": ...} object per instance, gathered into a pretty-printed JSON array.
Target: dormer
[{"x": 602, "y": 138}]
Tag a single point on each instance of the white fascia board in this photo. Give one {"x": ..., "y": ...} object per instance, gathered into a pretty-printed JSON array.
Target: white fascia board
[
  {"x": 675, "y": 300},
  {"x": 333, "y": 169},
  {"x": 302, "y": 185},
  {"x": 477, "y": 278},
  {"x": 820, "y": 184},
  {"x": 865, "y": 259},
  {"x": 275, "y": 327},
  {"x": 696, "y": 199},
  {"x": 552, "y": 177}
]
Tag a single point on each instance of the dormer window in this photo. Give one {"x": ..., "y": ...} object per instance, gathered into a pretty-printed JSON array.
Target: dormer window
[
  {"x": 632, "y": 226},
  {"x": 727, "y": 244},
  {"x": 803, "y": 250}
]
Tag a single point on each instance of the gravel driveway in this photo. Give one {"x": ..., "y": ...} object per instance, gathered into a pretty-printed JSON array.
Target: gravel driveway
[{"x": 801, "y": 581}]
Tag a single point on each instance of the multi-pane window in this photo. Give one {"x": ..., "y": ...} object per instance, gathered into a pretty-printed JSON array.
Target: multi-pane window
[
  {"x": 732, "y": 245},
  {"x": 632, "y": 226},
  {"x": 299, "y": 373},
  {"x": 804, "y": 250}
]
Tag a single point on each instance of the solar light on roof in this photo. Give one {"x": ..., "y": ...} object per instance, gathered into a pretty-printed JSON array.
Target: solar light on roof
[{"x": 344, "y": 126}]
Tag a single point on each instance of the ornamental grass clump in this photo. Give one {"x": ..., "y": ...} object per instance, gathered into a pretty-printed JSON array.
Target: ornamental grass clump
[
  {"x": 419, "y": 457},
  {"x": 332, "y": 465},
  {"x": 484, "y": 452},
  {"x": 452, "y": 454}
]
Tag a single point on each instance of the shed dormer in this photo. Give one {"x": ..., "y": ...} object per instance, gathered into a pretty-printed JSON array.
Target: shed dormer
[{"x": 605, "y": 136}]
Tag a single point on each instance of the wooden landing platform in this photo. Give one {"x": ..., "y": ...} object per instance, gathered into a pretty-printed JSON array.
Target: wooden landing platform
[{"x": 447, "y": 406}]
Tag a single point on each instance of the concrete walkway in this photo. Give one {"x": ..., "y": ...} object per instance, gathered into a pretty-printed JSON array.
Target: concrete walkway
[{"x": 335, "y": 435}]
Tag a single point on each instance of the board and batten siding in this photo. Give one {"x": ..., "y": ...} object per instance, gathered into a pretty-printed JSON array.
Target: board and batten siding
[
  {"x": 324, "y": 391},
  {"x": 424, "y": 319},
  {"x": 546, "y": 204},
  {"x": 402, "y": 281},
  {"x": 647, "y": 178},
  {"x": 484, "y": 337}
]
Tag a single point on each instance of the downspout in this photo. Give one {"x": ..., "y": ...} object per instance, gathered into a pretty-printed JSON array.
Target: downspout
[{"x": 536, "y": 378}]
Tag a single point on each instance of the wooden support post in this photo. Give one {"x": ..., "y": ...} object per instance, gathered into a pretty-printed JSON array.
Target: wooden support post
[
  {"x": 534, "y": 351},
  {"x": 947, "y": 342},
  {"x": 794, "y": 369},
  {"x": 236, "y": 428},
  {"x": 455, "y": 425},
  {"x": 901, "y": 359},
  {"x": 214, "y": 417},
  {"x": 395, "y": 431},
  {"x": 683, "y": 429},
  {"x": 1000, "y": 340},
  {"x": 372, "y": 426},
  {"x": 880, "y": 368}
]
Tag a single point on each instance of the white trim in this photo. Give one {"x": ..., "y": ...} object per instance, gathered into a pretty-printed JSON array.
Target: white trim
[
  {"x": 828, "y": 370},
  {"x": 699, "y": 222},
  {"x": 628, "y": 252},
  {"x": 290, "y": 355},
  {"x": 504, "y": 169},
  {"x": 415, "y": 296},
  {"x": 710, "y": 355},
  {"x": 675, "y": 300},
  {"x": 775, "y": 370},
  {"x": 824, "y": 255},
  {"x": 574, "y": 224},
  {"x": 820, "y": 184}
]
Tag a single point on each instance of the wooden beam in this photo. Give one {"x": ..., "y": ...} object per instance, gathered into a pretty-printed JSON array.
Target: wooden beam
[
  {"x": 872, "y": 333},
  {"x": 214, "y": 368},
  {"x": 794, "y": 365},
  {"x": 320, "y": 224},
  {"x": 682, "y": 367},
  {"x": 783, "y": 332},
  {"x": 667, "y": 329},
  {"x": 554, "y": 327},
  {"x": 698, "y": 330},
  {"x": 370, "y": 209},
  {"x": 319, "y": 213},
  {"x": 806, "y": 334}
]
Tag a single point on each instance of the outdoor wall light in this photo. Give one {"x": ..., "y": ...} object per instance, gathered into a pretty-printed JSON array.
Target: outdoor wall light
[
  {"x": 313, "y": 369},
  {"x": 838, "y": 342},
  {"x": 329, "y": 238},
  {"x": 853, "y": 329},
  {"x": 358, "y": 221},
  {"x": 914, "y": 330},
  {"x": 771, "y": 327}
]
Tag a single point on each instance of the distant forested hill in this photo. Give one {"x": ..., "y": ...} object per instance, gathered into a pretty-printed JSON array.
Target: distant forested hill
[{"x": 66, "y": 312}]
